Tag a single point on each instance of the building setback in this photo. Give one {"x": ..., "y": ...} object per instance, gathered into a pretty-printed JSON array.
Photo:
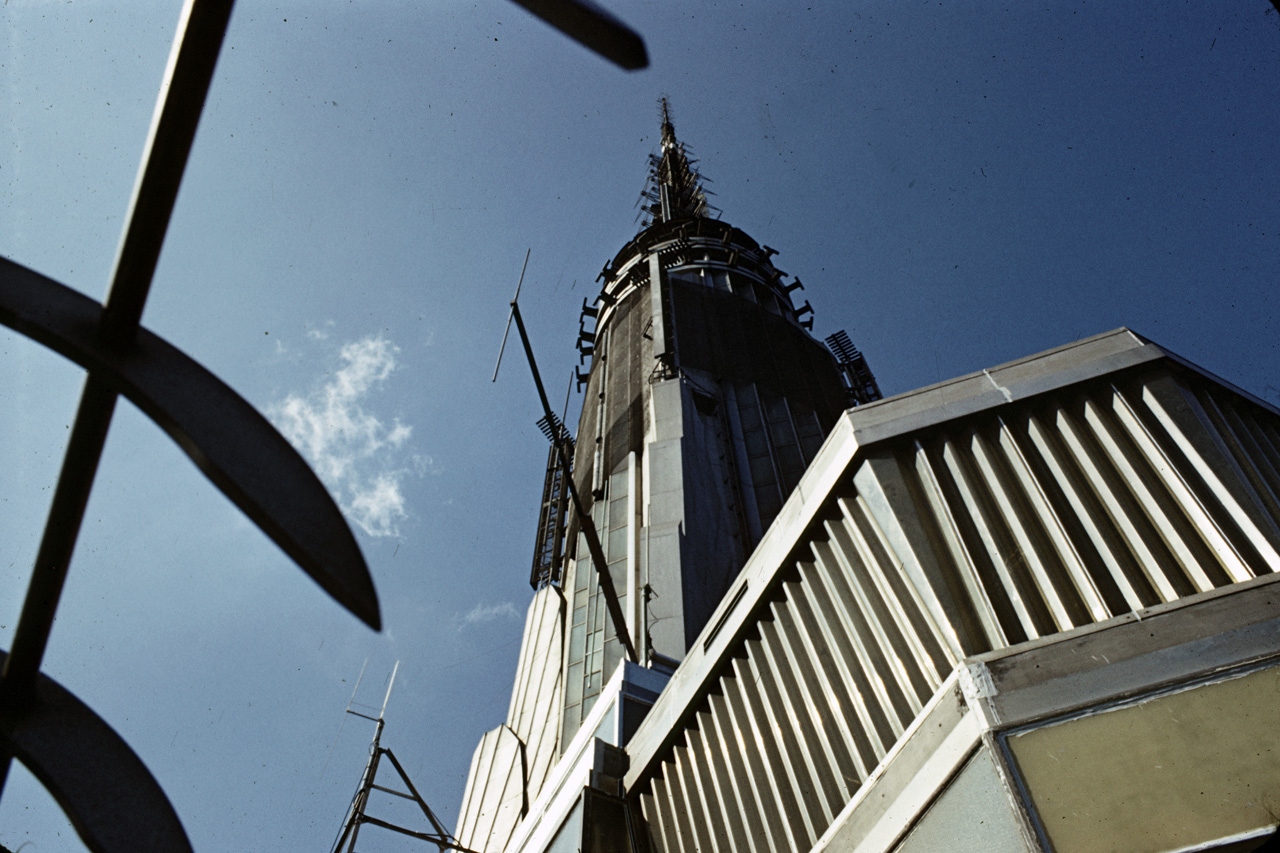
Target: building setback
[{"x": 1029, "y": 609}]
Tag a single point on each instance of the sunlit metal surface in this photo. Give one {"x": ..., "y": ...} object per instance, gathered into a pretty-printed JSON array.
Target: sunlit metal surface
[
  {"x": 527, "y": 747},
  {"x": 1018, "y": 503}
]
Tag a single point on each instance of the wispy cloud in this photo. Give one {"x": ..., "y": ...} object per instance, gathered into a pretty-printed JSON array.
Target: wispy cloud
[
  {"x": 491, "y": 612},
  {"x": 321, "y": 332},
  {"x": 360, "y": 457}
]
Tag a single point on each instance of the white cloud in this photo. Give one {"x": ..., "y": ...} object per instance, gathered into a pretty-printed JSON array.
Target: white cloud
[
  {"x": 322, "y": 333},
  {"x": 361, "y": 458},
  {"x": 491, "y": 612}
]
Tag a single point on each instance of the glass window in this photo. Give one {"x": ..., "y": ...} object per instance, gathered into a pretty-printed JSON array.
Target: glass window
[
  {"x": 618, "y": 542},
  {"x": 573, "y": 684},
  {"x": 744, "y": 287},
  {"x": 685, "y": 276}
]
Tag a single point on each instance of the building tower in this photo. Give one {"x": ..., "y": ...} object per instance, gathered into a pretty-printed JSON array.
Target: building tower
[
  {"x": 1035, "y": 609},
  {"x": 705, "y": 400}
]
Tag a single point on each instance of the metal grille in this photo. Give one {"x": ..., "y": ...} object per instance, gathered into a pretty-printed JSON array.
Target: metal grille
[
  {"x": 1095, "y": 503},
  {"x": 1026, "y": 519},
  {"x": 834, "y": 669},
  {"x": 548, "y": 547}
]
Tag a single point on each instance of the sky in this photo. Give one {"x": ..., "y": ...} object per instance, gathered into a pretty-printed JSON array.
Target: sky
[{"x": 957, "y": 184}]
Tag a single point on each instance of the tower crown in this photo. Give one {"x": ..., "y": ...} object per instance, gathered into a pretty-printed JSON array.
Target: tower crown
[{"x": 674, "y": 188}]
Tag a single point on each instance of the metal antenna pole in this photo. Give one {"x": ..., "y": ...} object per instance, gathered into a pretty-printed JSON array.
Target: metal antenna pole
[
  {"x": 584, "y": 518},
  {"x": 507, "y": 330},
  {"x": 391, "y": 683},
  {"x": 357, "y": 812}
]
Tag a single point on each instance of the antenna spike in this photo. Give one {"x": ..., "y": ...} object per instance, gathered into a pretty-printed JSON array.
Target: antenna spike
[
  {"x": 390, "y": 683},
  {"x": 510, "y": 315},
  {"x": 363, "y": 667},
  {"x": 674, "y": 185}
]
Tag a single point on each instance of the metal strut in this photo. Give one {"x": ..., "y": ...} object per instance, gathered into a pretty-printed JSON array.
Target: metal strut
[
  {"x": 560, "y": 441},
  {"x": 357, "y": 812},
  {"x": 584, "y": 518}
]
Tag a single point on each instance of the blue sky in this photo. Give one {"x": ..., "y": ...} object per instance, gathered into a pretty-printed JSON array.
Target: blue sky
[{"x": 957, "y": 184}]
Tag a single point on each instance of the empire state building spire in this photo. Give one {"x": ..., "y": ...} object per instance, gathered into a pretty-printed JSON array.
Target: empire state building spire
[
  {"x": 674, "y": 189},
  {"x": 706, "y": 397}
]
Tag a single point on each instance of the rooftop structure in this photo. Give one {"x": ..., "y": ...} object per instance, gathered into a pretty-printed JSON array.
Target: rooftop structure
[{"x": 1029, "y": 609}]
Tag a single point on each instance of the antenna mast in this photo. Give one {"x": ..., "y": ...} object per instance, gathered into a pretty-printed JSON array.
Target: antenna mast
[
  {"x": 560, "y": 440},
  {"x": 357, "y": 812}
]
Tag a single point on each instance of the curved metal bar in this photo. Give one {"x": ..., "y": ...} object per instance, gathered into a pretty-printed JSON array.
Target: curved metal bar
[
  {"x": 110, "y": 796},
  {"x": 594, "y": 28},
  {"x": 235, "y": 446}
]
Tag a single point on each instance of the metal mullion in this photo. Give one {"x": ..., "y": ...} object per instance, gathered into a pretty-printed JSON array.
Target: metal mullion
[
  {"x": 1084, "y": 513},
  {"x": 750, "y": 834},
  {"x": 969, "y": 484},
  {"x": 662, "y": 816},
  {"x": 1266, "y": 489},
  {"x": 1101, "y": 484},
  {"x": 1246, "y": 452},
  {"x": 846, "y": 609},
  {"x": 488, "y": 777},
  {"x": 852, "y": 718},
  {"x": 916, "y": 621},
  {"x": 959, "y": 549},
  {"x": 811, "y": 680},
  {"x": 512, "y": 779},
  {"x": 1182, "y": 493},
  {"x": 1267, "y": 439},
  {"x": 524, "y": 675},
  {"x": 768, "y": 441},
  {"x": 1052, "y": 524},
  {"x": 1144, "y": 498},
  {"x": 682, "y": 830},
  {"x": 696, "y": 815},
  {"x": 795, "y": 434},
  {"x": 715, "y": 797},
  {"x": 988, "y": 461},
  {"x": 762, "y": 729},
  {"x": 808, "y": 761},
  {"x": 1237, "y": 445},
  {"x": 794, "y": 757},
  {"x": 879, "y": 613}
]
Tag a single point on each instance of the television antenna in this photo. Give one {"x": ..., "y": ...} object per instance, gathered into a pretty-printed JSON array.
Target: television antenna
[
  {"x": 358, "y": 814},
  {"x": 559, "y": 437}
]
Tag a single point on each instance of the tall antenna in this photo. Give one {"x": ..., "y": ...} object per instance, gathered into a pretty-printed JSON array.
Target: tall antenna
[
  {"x": 357, "y": 813},
  {"x": 560, "y": 440},
  {"x": 511, "y": 315},
  {"x": 674, "y": 189}
]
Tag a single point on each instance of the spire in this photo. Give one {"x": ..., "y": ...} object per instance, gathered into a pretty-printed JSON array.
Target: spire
[{"x": 674, "y": 188}]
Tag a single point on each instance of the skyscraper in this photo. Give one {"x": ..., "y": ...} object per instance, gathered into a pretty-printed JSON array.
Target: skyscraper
[
  {"x": 705, "y": 400},
  {"x": 1028, "y": 609}
]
